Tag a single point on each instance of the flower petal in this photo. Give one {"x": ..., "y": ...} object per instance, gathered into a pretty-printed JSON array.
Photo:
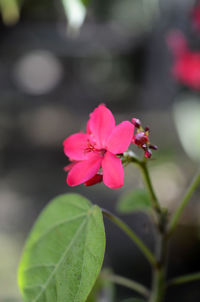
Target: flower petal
[
  {"x": 84, "y": 170},
  {"x": 69, "y": 166},
  {"x": 75, "y": 145},
  {"x": 120, "y": 138},
  {"x": 113, "y": 173},
  {"x": 101, "y": 124},
  {"x": 88, "y": 128}
]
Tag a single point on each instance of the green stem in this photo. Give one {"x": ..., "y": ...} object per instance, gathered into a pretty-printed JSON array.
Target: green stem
[
  {"x": 159, "y": 274},
  {"x": 127, "y": 283},
  {"x": 147, "y": 180},
  {"x": 184, "y": 279},
  {"x": 175, "y": 218},
  {"x": 158, "y": 288},
  {"x": 144, "y": 249},
  {"x": 159, "y": 270},
  {"x": 159, "y": 281}
]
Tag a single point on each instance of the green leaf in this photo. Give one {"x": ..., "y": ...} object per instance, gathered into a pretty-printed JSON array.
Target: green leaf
[
  {"x": 10, "y": 11},
  {"x": 86, "y": 2},
  {"x": 64, "y": 252},
  {"x": 137, "y": 200}
]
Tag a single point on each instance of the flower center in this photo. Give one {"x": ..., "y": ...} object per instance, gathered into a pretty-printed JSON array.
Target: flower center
[{"x": 91, "y": 148}]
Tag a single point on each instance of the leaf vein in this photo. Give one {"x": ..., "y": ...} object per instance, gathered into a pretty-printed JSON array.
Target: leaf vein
[
  {"x": 54, "y": 226},
  {"x": 61, "y": 259},
  {"x": 38, "y": 266},
  {"x": 33, "y": 286},
  {"x": 82, "y": 262}
]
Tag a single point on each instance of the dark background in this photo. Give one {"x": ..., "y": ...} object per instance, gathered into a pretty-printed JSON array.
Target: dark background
[{"x": 51, "y": 77}]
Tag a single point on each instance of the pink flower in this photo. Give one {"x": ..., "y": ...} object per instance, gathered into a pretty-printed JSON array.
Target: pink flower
[
  {"x": 186, "y": 66},
  {"x": 186, "y": 69},
  {"x": 97, "y": 148}
]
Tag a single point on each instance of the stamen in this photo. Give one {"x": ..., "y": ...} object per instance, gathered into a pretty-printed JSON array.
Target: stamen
[{"x": 91, "y": 148}]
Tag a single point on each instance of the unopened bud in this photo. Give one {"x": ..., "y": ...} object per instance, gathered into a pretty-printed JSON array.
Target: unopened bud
[
  {"x": 144, "y": 146},
  {"x": 146, "y": 128},
  {"x": 148, "y": 153},
  {"x": 153, "y": 147},
  {"x": 136, "y": 122},
  {"x": 140, "y": 138}
]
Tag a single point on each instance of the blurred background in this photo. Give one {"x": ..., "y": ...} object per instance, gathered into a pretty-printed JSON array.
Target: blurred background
[{"x": 58, "y": 60}]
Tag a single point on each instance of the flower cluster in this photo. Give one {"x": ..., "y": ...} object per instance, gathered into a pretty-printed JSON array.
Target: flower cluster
[
  {"x": 96, "y": 155},
  {"x": 141, "y": 138}
]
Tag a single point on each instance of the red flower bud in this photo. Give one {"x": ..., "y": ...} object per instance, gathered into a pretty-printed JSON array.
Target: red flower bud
[
  {"x": 136, "y": 122},
  {"x": 144, "y": 146},
  {"x": 140, "y": 138},
  {"x": 147, "y": 153},
  {"x": 153, "y": 147}
]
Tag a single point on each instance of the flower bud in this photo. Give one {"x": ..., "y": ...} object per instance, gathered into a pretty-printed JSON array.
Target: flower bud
[
  {"x": 148, "y": 153},
  {"x": 136, "y": 122},
  {"x": 144, "y": 146},
  {"x": 140, "y": 138},
  {"x": 153, "y": 147}
]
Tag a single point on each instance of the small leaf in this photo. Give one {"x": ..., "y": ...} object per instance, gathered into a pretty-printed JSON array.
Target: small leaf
[
  {"x": 86, "y": 2},
  {"x": 64, "y": 252},
  {"x": 137, "y": 200},
  {"x": 10, "y": 11}
]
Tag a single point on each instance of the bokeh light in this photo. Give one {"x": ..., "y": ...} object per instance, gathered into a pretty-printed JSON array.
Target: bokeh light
[{"x": 38, "y": 72}]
